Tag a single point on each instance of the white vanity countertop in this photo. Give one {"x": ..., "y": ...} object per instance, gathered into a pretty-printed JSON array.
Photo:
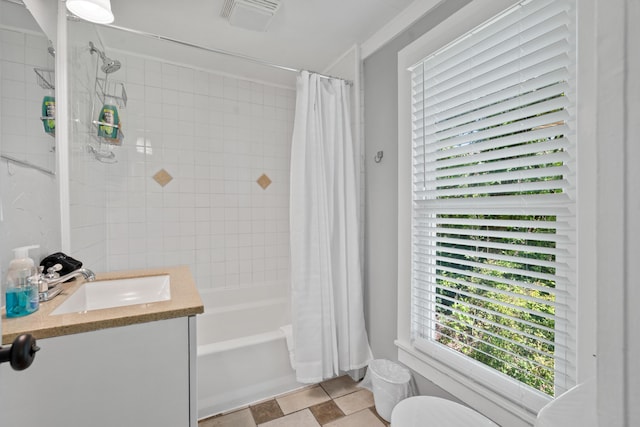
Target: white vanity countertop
[{"x": 185, "y": 301}]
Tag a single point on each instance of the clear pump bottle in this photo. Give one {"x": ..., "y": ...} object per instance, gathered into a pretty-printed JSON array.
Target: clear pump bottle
[{"x": 22, "y": 284}]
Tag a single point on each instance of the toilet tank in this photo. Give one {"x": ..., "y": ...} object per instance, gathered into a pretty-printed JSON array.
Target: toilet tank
[{"x": 576, "y": 407}]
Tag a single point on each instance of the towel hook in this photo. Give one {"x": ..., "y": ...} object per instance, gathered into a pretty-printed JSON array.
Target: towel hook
[{"x": 378, "y": 156}]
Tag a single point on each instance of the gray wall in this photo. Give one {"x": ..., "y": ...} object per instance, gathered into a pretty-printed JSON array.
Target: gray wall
[{"x": 381, "y": 186}]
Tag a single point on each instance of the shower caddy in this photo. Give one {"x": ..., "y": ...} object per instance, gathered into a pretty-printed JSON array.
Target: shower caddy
[
  {"x": 45, "y": 79},
  {"x": 106, "y": 92}
]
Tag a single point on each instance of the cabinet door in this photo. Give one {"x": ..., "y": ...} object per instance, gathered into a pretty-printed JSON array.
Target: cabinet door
[{"x": 128, "y": 376}]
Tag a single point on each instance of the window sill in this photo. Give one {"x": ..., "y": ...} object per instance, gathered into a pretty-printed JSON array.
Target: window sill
[{"x": 476, "y": 395}]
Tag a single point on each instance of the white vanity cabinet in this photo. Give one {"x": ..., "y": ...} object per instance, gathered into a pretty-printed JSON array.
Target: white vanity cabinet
[{"x": 137, "y": 375}]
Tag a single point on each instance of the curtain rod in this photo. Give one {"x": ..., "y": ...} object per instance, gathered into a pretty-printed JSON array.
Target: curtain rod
[{"x": 219, "y": 51}]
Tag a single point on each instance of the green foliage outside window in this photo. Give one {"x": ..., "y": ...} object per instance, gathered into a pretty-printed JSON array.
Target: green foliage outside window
[{"x": 489, "y": 321}]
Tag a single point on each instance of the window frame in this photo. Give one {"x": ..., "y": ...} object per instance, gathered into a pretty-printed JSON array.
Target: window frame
[{"x": 454, "y": 375}]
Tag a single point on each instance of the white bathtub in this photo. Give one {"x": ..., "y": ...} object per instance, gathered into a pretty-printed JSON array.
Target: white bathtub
[{"x": 242, "y": 354}]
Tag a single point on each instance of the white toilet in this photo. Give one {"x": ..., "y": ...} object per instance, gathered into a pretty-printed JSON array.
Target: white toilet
[
  {"x": 576, "y": 407},
  {"x": 436, "y": 412}
]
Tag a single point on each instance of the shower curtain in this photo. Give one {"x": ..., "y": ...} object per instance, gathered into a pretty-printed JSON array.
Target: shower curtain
[{"x": 326, "y": 280}]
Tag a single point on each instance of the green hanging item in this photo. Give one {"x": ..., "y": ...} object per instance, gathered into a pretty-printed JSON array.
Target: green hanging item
[
  {"x": 109, "y": 122},
  {"x": 49, "y": 114}
]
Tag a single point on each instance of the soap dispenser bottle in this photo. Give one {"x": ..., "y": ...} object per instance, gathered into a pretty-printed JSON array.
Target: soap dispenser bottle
[{"x": 22, "y": 284}]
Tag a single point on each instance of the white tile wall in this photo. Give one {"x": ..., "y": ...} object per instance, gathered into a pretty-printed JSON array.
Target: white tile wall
[
  {"x": 22, "y": 132},
  {"x": 88, "y": 182},
  {"x": 29, "y": 212},
  {"x": 216, "y": 135}
]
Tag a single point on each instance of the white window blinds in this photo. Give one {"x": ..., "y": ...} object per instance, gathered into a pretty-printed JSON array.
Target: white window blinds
[{"x": 493, "y": 233}]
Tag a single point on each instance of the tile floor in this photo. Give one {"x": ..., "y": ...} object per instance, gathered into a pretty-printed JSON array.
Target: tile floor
[{"x": 334, "y": 403}]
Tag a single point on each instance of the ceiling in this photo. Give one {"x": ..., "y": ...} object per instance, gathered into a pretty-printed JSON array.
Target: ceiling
[{"x": 304, "y": 34}]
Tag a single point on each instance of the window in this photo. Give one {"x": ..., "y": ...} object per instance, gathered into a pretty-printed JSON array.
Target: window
[{"x": 493, "y": 200}]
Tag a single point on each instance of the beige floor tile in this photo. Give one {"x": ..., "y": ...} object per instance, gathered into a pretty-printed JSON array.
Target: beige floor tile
[
  {"x": 340, "y": 386},
  {"x": 302, "y": 399},
  {"x": 297, "y": 419},
  {"x": 382, "y": 420},
  {"x": 240, "y": 418},
  {"x": 364, "y": 418},
  {"x": 355, "y": 402}
]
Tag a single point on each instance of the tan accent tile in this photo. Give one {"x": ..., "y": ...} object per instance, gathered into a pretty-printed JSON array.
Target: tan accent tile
[
  {"x": 162, "y": 177},
  {"x": 340, "y": 386},
  {"x": 264, "y": 181},
  {"x": 302, "y": 399},
  {"x": 364, "y": 418},
  {"x": 297, "y": 419},
  {"x": 266, "y": 411},
  {"x": 355, "y": 402},
  {"x": 240, "y": 418},
  {"x": 326, "y": 412}
]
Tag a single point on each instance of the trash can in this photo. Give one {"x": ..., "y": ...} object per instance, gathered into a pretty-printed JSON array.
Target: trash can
[{"x": 390, "y": 383}]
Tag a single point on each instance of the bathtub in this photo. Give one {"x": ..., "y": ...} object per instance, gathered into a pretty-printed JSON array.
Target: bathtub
[{"x": 242, "y": 353}]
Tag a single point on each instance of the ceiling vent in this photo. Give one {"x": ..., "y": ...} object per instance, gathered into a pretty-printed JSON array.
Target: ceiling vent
[{"x": 250, "y": 14}]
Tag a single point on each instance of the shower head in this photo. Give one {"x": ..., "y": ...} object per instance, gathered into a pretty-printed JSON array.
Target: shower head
[{"x": 108, "y": 65}]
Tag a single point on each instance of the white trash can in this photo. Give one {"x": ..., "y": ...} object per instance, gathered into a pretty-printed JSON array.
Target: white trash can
[{"x": 390, "y": 383}]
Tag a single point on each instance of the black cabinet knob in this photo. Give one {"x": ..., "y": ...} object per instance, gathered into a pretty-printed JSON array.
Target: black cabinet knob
[{"x": 21, "y": 353}]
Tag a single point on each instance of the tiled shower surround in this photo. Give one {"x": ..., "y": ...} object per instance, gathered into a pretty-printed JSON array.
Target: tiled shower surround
[{"x": 215, "y": 136}]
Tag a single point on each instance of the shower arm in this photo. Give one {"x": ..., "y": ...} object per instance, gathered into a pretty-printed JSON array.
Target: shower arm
[{"x": 94, "y": 49}]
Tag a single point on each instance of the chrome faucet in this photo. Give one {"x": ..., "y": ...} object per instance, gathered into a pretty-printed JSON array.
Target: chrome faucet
[{"x": 49, "y": 284}]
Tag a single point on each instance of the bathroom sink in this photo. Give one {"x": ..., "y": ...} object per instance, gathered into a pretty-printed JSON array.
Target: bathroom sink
[{"x": 116, "y": 293}]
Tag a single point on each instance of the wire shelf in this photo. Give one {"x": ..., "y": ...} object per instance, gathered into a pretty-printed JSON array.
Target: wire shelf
[
  {"x": 46, "y": 78},
  {"x": 111, "y": 91}
]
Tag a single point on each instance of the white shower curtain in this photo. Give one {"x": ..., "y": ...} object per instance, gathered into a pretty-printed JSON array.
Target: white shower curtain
[{"x": 327, "y": 301}]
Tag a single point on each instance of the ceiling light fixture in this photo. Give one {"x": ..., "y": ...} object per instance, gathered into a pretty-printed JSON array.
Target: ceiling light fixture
[{"x": 98, "y": 11}]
